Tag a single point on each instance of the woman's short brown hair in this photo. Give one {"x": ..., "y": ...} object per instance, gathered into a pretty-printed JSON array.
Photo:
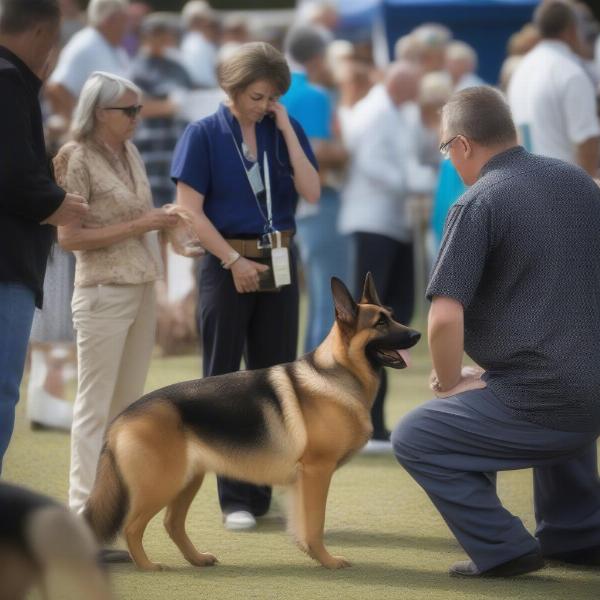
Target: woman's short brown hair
[{"x": 255, "y": 61}]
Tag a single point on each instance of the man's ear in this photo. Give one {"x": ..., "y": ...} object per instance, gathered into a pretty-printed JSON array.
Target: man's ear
[
  {"x": 369, "y": 295},
  {"x": 346, "y": 309},
  {"x": 466, "y": 146}
]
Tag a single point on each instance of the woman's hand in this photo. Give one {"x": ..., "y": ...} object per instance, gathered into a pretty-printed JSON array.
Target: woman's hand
[
  {"x": 470, "y": 379},
  {"x": 246, "y": 274},
  {"x": 282, "y": 120},
  {"x": 156, "y": 219}
]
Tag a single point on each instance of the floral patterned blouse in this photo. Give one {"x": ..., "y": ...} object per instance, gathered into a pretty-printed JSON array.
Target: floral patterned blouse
[{"x": 116, "y": 192}]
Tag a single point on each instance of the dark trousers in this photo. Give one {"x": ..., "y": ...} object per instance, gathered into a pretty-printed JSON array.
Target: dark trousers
[
  {"x": 454, "y": 447},
  {"x": 392, "y": 265},
  {"x": 263, "y": 328}
]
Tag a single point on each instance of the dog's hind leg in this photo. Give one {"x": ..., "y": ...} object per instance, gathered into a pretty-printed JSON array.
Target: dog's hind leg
[
  {"x": 175, "y": 524},
  {"x": 136, "y": 522},
  {"x": 315, "y": 486}
]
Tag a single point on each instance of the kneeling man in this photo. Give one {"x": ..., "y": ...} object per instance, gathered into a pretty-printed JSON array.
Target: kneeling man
[{"x": 517, "y": 286}]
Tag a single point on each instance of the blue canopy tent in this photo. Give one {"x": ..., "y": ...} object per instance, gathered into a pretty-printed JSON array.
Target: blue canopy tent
[{"x": 485, "y": 24}]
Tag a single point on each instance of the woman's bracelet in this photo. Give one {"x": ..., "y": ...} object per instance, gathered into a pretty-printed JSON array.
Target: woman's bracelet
[{"x": 231, "y": 258}]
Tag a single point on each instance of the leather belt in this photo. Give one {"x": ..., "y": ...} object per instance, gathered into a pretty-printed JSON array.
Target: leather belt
[{"x": 250, "y": 247}]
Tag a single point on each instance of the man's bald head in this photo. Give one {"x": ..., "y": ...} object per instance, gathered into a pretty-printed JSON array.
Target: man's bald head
[{"x": 402, "y": 81}]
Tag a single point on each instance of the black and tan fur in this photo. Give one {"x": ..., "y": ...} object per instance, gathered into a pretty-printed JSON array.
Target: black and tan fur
[
  {"x": 44, "y": 545},
  {"x": 291, "y": 425}
]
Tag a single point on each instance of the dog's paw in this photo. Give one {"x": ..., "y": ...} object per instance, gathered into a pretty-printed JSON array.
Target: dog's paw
[
  {"x": 336, "y": 562},
  {"x": 204, "y": 559}
]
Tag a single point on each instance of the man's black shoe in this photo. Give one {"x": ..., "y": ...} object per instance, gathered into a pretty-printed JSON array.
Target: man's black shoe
[
  {"x": 517, "y": 566},
  {"x": 588, "y": 557},
  {"x": 109, "y": 556}
]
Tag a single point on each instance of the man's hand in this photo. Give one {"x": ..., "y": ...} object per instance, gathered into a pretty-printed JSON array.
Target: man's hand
[
  {"x": 72, "y": 209},
  {"x": 470, "y": 379}
]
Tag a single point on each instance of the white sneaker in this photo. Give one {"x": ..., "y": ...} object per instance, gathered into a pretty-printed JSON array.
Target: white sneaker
[
  {"x": 377, "y": 447},
  {"x": 240, "y": 519}
]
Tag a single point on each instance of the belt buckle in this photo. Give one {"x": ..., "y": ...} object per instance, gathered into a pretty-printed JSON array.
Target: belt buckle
[{"x": 264, "y": 242}]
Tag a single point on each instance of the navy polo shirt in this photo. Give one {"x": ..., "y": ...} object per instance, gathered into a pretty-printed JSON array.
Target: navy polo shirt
[{"x": 206, "y": 159}]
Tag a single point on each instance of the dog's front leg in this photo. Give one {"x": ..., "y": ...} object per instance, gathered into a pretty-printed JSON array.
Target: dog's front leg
[{"x": 314, "y": 488}]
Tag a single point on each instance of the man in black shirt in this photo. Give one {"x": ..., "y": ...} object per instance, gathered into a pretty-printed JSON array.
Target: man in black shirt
[
  {"x": 516, "y": 285},
  {"x": 31, "y": 204}
]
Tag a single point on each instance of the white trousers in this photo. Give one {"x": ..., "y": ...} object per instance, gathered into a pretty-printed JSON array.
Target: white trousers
[{"x": 116, "y": 327}]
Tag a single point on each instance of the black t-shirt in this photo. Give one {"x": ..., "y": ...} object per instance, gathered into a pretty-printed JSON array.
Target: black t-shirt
[{"x": 521, "y": 253}]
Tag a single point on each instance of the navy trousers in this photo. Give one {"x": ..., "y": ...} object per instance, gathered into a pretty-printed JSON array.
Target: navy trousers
[
  {"x": 454, "y": 447},
  {"x": 263, "y": 328},
  {"x": 392, "y": 265}
]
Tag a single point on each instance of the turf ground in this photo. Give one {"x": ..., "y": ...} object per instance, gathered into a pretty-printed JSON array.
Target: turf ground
[{"x": 377, "y": 517}]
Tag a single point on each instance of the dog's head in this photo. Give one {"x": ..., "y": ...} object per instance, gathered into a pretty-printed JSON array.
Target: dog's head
[{"x": 372, "y": 325}]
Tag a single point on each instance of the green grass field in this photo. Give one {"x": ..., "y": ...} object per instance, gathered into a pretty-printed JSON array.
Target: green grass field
[{"x": 377, "y": 517}]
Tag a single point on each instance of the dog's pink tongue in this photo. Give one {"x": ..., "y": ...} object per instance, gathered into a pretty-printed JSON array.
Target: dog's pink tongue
[{"x": 405, "y": 355}]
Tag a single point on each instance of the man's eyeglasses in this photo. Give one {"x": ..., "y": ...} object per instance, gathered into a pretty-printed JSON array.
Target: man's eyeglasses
[
  {"x": 445, "y": 146},
  {"x": 129, "y": 111}
]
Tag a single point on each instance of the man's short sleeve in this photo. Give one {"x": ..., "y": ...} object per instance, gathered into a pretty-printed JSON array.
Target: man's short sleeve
[
  {"x": 579, "y": 106},
  {"x": 463, "y": 253},
  {"x": 191, "y": 160},
  {"x": 73, "y": 68}
]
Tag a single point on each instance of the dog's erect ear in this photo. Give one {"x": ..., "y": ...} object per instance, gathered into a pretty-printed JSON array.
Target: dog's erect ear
[
  {"x": 346, "y": 309},
  {"x": 369, "y": 295}
]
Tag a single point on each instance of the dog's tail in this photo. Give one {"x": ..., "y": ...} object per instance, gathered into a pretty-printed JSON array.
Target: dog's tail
[{"x": 107, "y": 505}]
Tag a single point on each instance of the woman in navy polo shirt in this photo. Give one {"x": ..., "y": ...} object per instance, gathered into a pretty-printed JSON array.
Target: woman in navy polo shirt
[{"x": 221, "y": 176}]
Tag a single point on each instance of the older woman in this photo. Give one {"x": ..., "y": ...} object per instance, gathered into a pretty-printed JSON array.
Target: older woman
[
  {"x": 117, "y": 263},
  {"x": 220, "y": 167}
]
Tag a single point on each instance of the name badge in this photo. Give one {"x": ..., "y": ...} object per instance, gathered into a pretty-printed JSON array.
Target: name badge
[
  {"x": 255, "y": 179},
  {"x": 281, "y": 266},
  {"x": 280, "y": 259}
]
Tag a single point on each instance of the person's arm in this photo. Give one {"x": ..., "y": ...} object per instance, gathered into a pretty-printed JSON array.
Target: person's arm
[
  {"x": 78, "y": 237},
  {"x": 330, "y": 153},
  {"x": 245, "y": 272},
  {"x": 446, "y": 346},
  {"x": 306, "y": 177},
  {"x": 588, "y": 155},
  {"x": 446, "y": 338},
  {"x": 62, "y": 102},
  {"x": 26, "y": 186}
]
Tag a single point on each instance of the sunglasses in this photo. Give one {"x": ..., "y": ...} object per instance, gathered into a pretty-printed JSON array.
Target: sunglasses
[
  {"x": 445, "y": 147},
  {"x": 129, "y": 111}
]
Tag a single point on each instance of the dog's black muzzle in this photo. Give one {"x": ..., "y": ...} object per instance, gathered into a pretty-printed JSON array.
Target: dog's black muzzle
[{"x": 384, "y": 351}]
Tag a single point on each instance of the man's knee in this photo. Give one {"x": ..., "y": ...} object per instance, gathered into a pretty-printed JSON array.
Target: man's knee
[{"x": 409, "y": 438}]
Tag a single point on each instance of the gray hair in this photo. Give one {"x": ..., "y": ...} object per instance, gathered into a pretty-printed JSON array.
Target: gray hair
[
  {"x": 303, "y": 42},
  {"x": 161, "y": 22},
  {"x": 100, "y": 10},
  {"x": 480, "y": 114},
  {"x": 461, "y": 51},
  {"x": 435, "y": 89},
  {"x": 100, "y": 90},
  {"x": 196, "y": 9},
  {"x": 432, "y": 35}
]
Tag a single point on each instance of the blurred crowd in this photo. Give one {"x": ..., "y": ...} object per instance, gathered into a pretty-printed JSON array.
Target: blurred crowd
[{"x": 374, "y": 129}]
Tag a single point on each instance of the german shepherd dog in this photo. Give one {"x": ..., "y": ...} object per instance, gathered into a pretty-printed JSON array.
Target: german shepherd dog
[
  {"x": 291, "y": 424},
  {"x": 43, "y": 545}
]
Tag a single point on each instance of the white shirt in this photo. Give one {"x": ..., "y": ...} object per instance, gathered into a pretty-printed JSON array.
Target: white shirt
[
  {"x": 200, "y": 58},
  {"x": 553, "y": 102},
  {"x": 383, "y": 143},
  {"x": 88, "y": 51}
]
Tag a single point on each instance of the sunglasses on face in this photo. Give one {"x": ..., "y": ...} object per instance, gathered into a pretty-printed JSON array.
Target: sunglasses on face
[{"x": 129, "y": 111}]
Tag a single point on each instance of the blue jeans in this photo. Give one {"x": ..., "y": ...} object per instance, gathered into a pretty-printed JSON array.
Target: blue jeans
[
  {"x": 17, "y": 304},
  {"x": 324, "y": 254}
]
